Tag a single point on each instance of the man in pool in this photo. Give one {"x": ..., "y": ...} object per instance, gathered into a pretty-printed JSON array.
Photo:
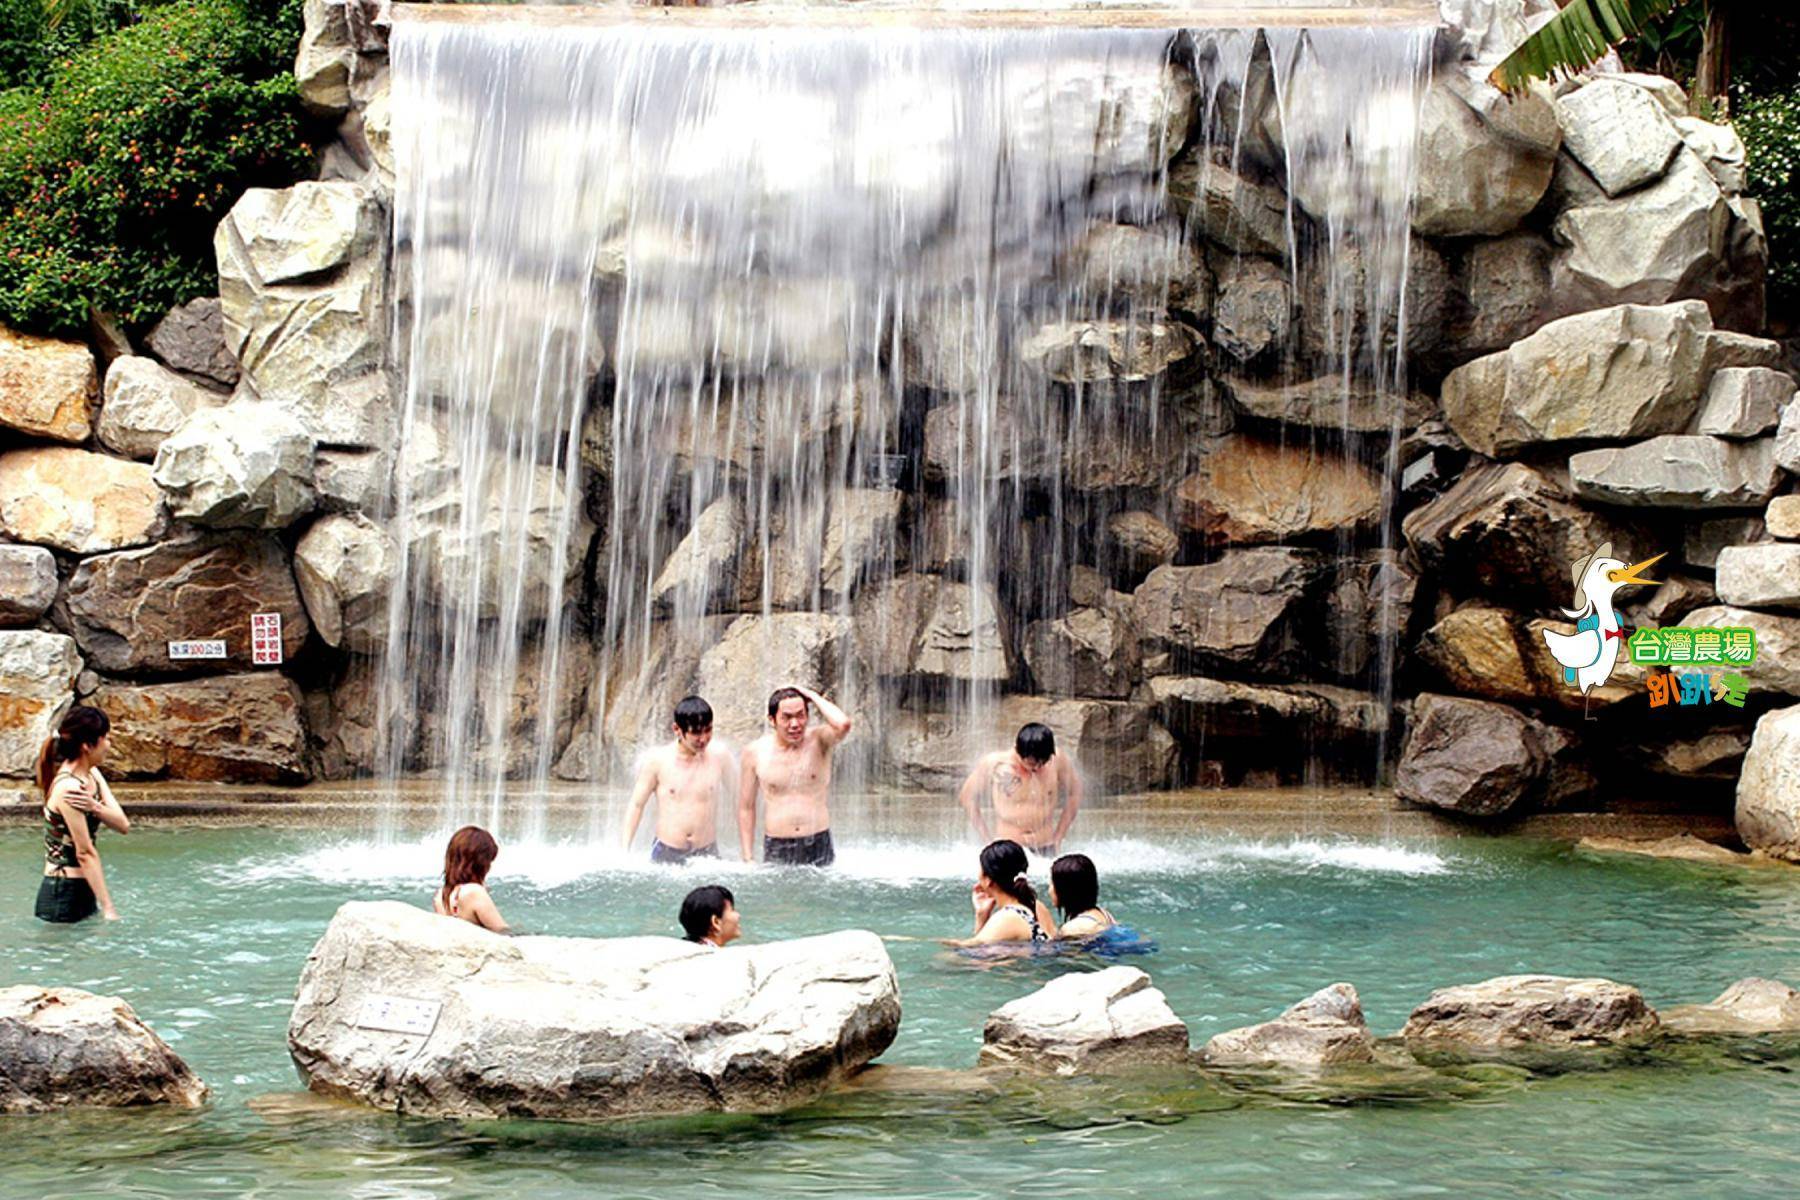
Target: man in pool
[
  {"x": 709, "y": 916},
  {"x": 686, "y": 777},
  {"x": 1034, "y": 791},
  {"x": 790, "y": 768}
]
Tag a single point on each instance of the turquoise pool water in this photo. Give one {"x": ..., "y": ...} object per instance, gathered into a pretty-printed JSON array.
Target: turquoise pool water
[{"x": 218, "y": 923}]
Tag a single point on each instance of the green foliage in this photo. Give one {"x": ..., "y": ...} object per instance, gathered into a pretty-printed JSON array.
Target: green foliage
[
  {"x": 1576, "y": 38},
  {"x": 114, "y": 173},
  {"x": 1770, "y": 126}
]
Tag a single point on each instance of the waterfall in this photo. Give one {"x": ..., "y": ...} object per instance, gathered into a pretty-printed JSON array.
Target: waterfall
[{"x": 734, "y": 356}]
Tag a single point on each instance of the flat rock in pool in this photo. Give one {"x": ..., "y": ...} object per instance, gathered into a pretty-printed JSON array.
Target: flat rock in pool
[
  {"x": 61, "y": 1047},
  {"x": 421, "y": 1014},
  {"x": 1084, "y": 1022},
  {"x": 1325, "y": 1029},
  {"x": 1526, "y": 1012},
  {"x": 1747, "y": 1008}
]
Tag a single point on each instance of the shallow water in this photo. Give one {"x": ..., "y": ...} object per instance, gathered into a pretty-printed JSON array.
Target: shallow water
[{"x": 218, "y": 923}]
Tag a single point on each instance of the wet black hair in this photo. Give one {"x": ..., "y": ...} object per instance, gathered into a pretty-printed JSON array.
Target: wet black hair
[
  {"x": 1004, "y": 863},
  {"x": 81, "y": 727},
  {"x": 1035, "y": 742},
  {"x": 701, "y": 906},
  {"x": 780, "y": 694},
  {"x": 693, "y": 714},
  {"x": 1076, "y": 884}
]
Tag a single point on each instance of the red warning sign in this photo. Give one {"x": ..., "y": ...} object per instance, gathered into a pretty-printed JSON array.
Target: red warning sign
[{"x": 265, "y": 639}]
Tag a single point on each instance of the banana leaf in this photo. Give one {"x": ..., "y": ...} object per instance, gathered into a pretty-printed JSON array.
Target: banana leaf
[{"x": 1575, "y": 39}]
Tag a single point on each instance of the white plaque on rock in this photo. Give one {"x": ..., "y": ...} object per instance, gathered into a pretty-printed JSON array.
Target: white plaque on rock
[
  {"x": 397, "y": 1014},
  {"x": 207, "y": 648}
]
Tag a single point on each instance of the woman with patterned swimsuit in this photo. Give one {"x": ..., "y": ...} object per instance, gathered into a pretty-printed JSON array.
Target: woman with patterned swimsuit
[
  {"x": 77, "y": 802},
  {"x": 1006, "y": 907}
]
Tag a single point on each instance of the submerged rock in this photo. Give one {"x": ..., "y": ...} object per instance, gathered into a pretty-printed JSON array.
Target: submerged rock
[
  {"x": 1768, "y": 791},
  {"x": 581, "y": 1028},
  {"x": 63, "y": 1047},
  {"x": 1680, "y": 848},
  {"x": 1085, "y": 1022},
  {"x": 1325, "y": 1029},
  {"x": 1747, "y": 1008},
  {"x": 1513, "y": 1012}
]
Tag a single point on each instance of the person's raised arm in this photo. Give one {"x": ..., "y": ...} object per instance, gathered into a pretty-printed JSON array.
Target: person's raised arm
[
  {"x": 1070, "y": 778},
  {"x": 110, "y": 812},
  {"x": 970, "y": 797},
  {"x": 87, "y": 858},
  {"x": 747, "y": 785},
  {"x": 837, "y": 721},
  {"x": 640, "y": 796}
]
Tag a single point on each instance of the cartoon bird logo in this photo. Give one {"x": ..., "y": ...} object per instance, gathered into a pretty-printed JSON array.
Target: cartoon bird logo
[{"x": 1589, "y": 655}]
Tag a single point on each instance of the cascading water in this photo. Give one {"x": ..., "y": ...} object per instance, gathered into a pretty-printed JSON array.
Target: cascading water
[{"x": 735, "y": 356}]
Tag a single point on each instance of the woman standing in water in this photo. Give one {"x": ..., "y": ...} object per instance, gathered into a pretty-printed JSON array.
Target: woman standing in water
[
  {"x": 471, "y": 852},
  {"x": 1006, "y": 907},
  {"x": 77, "y": 802}
]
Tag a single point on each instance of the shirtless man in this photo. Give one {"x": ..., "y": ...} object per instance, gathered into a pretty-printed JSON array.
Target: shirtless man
[
  {"x": 1023, "y": 784},
  {"x": 686, "y": 778},
  {"x": 791, "y": 767}
]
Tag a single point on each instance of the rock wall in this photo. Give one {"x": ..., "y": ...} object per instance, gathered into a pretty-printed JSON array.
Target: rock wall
[{"x": 1285, "y": 557}]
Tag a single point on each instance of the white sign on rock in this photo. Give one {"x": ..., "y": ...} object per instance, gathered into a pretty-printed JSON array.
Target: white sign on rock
[
  {"x": 265, "y": 639},
  {"x": 205, "y": 648},
  {"x": 397, "y": 1014}
]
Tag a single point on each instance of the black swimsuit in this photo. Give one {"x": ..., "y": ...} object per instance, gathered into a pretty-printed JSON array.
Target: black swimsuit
[{"x": 812, "y": 850}]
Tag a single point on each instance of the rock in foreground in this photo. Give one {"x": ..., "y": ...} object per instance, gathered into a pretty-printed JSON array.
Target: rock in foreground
[
  {"x": 415, "y": 1013},
  {"x": 1768, "y": 791},
  {"x": 1514, "y": 1012},
  {"x": 1325, "y": 1029},
  {"x": 60, "y": 1047},
  {"x": 1089, "y": 1021}
]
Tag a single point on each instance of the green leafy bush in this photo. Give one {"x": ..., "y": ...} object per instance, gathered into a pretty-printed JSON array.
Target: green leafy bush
[
  {"x": 1770, "y": 126},
  {"x": 113, "y": 174}
]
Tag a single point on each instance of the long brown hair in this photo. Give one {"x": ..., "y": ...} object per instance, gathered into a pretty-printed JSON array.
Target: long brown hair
[
  {"x": 467, "y": 858},
  {"x": 82, "y": 727}
]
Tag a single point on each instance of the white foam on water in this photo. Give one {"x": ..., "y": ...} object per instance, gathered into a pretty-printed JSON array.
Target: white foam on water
[{"x": 547, "y": 865}]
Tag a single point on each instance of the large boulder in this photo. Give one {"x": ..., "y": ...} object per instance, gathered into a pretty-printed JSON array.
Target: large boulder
[
  {"x": 1782, "y": 518},
  {"x": 713, "y": 566},
  {"x": 1618, "y": 132},
  {"x": 1679, "y": 470},
  {"x": 343, "y": 566},
  {"x": 1764, "y": 576},
  {"x": 37, "y": 685},
  {"x": 48, "y": 388},
  {"x": 1327, "y": 402},
  {"x": 1505, "y": 286},
  {"x": 66, "y": 1048},
  {"x": 758, "y": 654},
  {"x": 406, "y": 1011},
  {"x": 145, "y": 403},
  {"x": 1484, "y": 159},
  {"x": 1521, "y": 1012},
  {"x": 301, "y": 294},
  {"x": 1744, "y": 402},
  {"x": 963, "y": 636},
  {"x": 326, "y": 60},
  {"x": 1649, "y": 246},
  {"x": 827, "y": 556},
  {"x": 1509, "y": 530},
  {"x": 1768, "y": 791},
  {"x": 1777, "y": 666},
  {"x": 244, "y": 466},
  {"x": 27, "y": 583},
  {"x": 1471, "y": 757},
  {"x": 1248, "y": 609},
  {"x": 1135, "y": 544},
  {"x": 1142, "y": 266},
  {"x": 1254, "y": 310},
  {"x": 1198, "y": 708},
  {"x": 1626, "y": 371},
  {"x": 1249, "y": 491},
  {"x": 1227, "y": 208},
  {"x": 353, "y": 480},
  {"x": 1085, "y": 652},
  {"x": 1085, "y": 1022},
  {"x": 126, "y": 608},
  {"x": 191, "y": 339},
  {"x": 1323, "y": 1030},
  {"x": 1748, "y": 1008},
  {"x": 77, "y": 501},
  {"x": 227, "y": 729},
  {"x": 1787, "y": 440}
]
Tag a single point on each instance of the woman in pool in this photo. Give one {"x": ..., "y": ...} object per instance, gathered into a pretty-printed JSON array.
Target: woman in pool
[
  {"x": 471, "y": 852},
  {"x": 1006, "y": 909},
  {"x": 1075, "y": 890},
  {"x": 77, "y": 802}
]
